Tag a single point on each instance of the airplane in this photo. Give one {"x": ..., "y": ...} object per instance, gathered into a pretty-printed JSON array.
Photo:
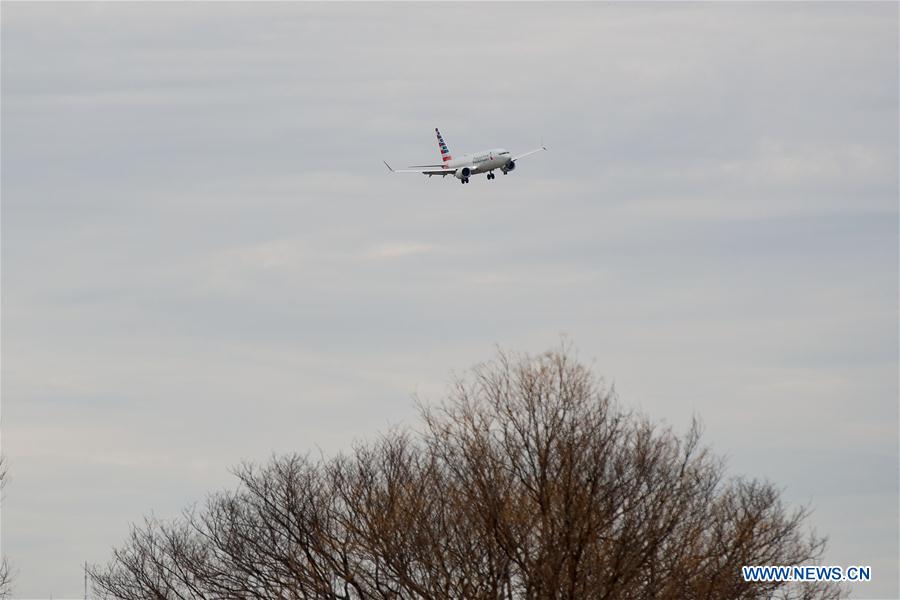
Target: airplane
[{"x": 467, "y": 165}]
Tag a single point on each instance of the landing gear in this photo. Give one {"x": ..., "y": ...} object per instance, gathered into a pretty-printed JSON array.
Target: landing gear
[
  {"x": 491, "y": 176},
  {"x": 464, "y": 180}
]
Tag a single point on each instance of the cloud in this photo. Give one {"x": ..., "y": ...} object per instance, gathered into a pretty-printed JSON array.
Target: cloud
[
  {"x": 392, "y": 250},
  {"x": 204, "y": 259}
]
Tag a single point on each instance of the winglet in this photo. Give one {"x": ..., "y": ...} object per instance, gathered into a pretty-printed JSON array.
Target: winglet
[{"x": 388, "y": 166}]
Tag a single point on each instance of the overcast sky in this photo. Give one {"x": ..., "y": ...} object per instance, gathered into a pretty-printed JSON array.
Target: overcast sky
[{"x": 204, "y": 259}]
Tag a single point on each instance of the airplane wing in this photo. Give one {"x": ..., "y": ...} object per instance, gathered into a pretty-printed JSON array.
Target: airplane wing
[
  {"x": 424, "y": 171},
  {"x": 530, "y": 152}
]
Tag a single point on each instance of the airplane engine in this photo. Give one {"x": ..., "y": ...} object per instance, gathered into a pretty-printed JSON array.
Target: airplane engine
[
  {"x": 463, "y": 173},
  {"x": 508, "y": 167}
]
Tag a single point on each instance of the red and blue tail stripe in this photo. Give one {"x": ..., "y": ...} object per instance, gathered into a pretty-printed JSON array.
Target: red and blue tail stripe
[{"x": 445, "y": 152}]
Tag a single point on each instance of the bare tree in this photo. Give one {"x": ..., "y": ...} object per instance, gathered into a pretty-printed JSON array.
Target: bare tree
[
  {"x": 528, "y": 482},
  {"x": 5, "y": 572}
]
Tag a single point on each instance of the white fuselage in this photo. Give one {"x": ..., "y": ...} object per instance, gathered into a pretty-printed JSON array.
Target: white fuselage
[{"x": 481, "y": 162}]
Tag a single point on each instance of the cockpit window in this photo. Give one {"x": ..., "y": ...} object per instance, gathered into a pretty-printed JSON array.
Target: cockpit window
[{"x": 504, "y": 153}]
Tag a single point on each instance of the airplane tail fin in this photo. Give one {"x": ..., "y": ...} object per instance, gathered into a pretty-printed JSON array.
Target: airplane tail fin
[{"x": 445, "y": 152}]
